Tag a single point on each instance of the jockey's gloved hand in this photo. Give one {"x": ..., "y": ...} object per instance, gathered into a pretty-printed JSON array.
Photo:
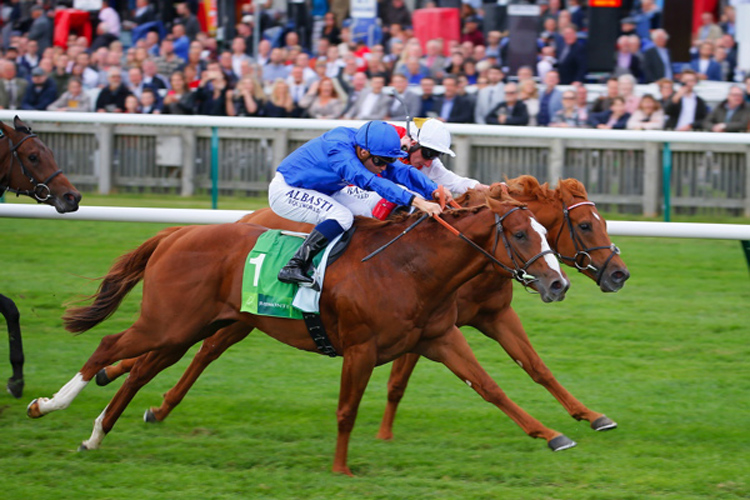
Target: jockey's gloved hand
[
  {"x": 426, "y": 206},
  {"x": 448, "y": 195}
]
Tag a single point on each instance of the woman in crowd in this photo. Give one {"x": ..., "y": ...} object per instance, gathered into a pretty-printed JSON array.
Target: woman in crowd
[
  {"x": 247, "y": 99},
  {"x": 280, "y": 105},
  {"x": 529, "y": 94},
  {"x": 74, "y": 99},
  {"x": 179, "y": 100},
  {"x": 322, "y": 100},
  {"x": 648, "y": 116},
  {"x": 568, "y": 116}
]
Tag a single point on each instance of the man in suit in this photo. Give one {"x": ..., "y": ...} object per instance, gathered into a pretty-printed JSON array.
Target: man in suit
[
  {"x": 705, "y": 64},
  {"x": 550, "y": 101},
  {"x": 12, "y": 88},
  {"x": 373, "y": 104},
  {"x": 41, "y": 93},
  {"x": 396, "y": 111},
  {"x": 686, "y": 111},
  {"x": 657, "y": 62},
  {"x": 452, "y": 107},
  {"x": 626, "y": 62},
  {"x": 571, "y": 58},
  {"x": 490, "y": 96},
  {"x": 41, "y": 28},
  {"x": 434, "y": 61},
  {"x": 511, "y": 111}
]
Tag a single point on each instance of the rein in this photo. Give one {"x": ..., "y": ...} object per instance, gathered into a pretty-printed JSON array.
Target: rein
[
  {"x": 582, "y": 259},
  {"x": 41, "y": 191},
  {"x": 518, "y": 272}
]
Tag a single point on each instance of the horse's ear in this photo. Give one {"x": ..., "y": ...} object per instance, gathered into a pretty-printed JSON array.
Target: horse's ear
[
  {"x": 21, "y": 126},
  {"x": 572, "y": 186}
]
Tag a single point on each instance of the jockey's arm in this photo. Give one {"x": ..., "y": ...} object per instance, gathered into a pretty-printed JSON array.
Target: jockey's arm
[
  {"x": 412, "y": 178},
  {"x": 455, "y": 183}
]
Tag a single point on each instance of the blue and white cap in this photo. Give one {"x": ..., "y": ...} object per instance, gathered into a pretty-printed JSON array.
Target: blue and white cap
[{"x": 380, "y": 139}]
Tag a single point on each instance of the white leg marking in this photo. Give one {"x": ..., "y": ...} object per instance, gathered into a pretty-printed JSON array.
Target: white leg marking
[
  {"x": 64, "y": 396},
  {"x": 548, "y": 258},
  {"x": 468, "y": 382},
  {"x": 519, "y": 362},
  {"x": 97, "y": 435}
]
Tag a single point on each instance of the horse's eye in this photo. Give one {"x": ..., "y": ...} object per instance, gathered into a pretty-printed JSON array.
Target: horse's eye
[
  {"x": 584, "y": 226},
  {"x": 33, "y": 157},
  {"x": 519, "y": 235}
]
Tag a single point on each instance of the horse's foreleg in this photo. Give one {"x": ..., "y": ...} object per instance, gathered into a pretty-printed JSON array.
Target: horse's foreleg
[
  {"x": 144, "y": 369},
  {"x": 454, "y": 352},
  {"x": 13, "y": 318},
  {"x": 113, "y": 372},
  {"x": 213, "y": 347},
  {"x": 359, "y": 362},
  {"x": 401, "y": 371},
  {"x": 130, "y": 343},
  {"x": 506, "y": 328}
]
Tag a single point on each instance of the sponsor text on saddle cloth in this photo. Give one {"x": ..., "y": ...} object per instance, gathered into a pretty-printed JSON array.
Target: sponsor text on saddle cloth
[{"x": 263, "y": 293}]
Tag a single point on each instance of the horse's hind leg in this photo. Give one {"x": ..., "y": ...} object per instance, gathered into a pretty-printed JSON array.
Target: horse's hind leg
[
  {"x": 213, "y": 347},
  {"x": 506, "y": 328},
  {"x": 9, "y": 310},
  {"x": 454, "y": 352},
  {"x": 112, "y": 372},
  {"x": 401, "y": 371},
  {"x": 130, "y": 343},
  {"x": 145, "y": 368}
]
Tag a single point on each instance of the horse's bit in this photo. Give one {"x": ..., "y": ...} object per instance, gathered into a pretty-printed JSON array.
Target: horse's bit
[
  {"x": 41, "y": 191},
  {"x": 582, "y": 259}
]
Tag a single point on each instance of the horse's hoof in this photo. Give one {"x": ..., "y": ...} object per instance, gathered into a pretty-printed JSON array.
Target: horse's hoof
[
  {"x": 149, "y": 417},
  {"x": 33, "y": 411},
  {"x": 101, "y": 378},
  {"x": 15, "y": 388},
  {"x": 560, "y": 443},
  {"x": 603, "y": 423},
  {"x": 83, "y": 447}
]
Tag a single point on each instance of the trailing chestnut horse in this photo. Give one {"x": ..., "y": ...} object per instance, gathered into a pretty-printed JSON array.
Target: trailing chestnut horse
[
  {"x": 28, "y": 167},
  {"x": 577, "y": 233},
  {"x": 199, "y": 269}
]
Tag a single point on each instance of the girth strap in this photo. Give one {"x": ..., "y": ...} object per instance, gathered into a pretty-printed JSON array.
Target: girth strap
[{"x": 318, "y": 333}]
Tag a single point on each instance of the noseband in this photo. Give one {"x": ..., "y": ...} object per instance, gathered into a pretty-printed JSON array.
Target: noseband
[
  {"x": 519, "y": 269},
  {"x": 41, "y": 191},
  {"x": 582, "y": 259}
]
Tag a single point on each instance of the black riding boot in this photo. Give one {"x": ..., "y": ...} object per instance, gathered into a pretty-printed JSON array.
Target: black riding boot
[{"x": 295, "y": 271}]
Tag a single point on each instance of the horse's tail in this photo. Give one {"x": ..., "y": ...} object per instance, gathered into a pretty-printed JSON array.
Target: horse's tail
[{"x": 124, "y": 275}]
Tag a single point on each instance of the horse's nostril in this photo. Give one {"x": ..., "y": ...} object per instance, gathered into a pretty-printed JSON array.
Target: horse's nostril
[
  {"x": 556, "y": 285},
  {"x": 619, "y": 276}
]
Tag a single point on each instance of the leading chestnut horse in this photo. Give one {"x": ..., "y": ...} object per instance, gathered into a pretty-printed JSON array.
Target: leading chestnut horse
[
  {"x": 577, "y": 233},
  {"x": 199, "y": 269},
  {"x": 28, "y": 167}
]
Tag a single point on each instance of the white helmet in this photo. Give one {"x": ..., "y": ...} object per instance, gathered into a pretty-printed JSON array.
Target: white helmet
[{"x": 431, "y": 133}]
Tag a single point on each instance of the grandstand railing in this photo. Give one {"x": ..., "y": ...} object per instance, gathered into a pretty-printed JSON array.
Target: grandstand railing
[{"x": 623, "y": 170}]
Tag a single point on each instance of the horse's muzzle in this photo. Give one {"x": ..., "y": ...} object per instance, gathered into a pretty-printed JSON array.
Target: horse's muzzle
[
  {"x": 552, "y": 290},
  {"x": 614, "y": 279},
  {"x": 68, "y": 202}
]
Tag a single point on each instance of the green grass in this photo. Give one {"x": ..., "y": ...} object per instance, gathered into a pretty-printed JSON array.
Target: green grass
[{"x": 667, "y": 357}]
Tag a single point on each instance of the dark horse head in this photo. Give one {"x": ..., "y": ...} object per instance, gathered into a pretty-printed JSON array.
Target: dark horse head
[{"x": 28, "y": 167}]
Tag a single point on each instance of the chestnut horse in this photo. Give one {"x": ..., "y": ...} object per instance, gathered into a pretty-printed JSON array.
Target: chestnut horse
[
  {"x": 28, "y": 167},
  {"x": 199, "y": 269},
  {"x": 577, "y": 233}
]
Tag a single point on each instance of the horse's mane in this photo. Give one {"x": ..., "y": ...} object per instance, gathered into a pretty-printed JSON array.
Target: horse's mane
[
  {"x": 528, "y": 186},
  {"x": 367, "y": 222}
]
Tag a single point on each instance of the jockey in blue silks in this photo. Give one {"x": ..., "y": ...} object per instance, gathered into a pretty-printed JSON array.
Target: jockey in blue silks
[{"x": 315, "y": 184}]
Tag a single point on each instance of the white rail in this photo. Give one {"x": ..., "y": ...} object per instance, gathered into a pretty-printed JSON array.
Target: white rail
[
  {"x": 200, "y": 216},
  {"x": 325, "y": 125}
]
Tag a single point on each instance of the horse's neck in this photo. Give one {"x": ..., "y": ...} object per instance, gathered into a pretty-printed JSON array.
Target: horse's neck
[
  {"x": 5, "y": 170},
  {"x": 442, "y": 260}
]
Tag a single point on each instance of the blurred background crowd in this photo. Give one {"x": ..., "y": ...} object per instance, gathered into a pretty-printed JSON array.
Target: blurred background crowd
[{"x": 309, "y": 58}]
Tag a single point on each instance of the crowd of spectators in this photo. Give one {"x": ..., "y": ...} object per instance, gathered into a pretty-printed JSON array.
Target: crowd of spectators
[{"x": 329, "y": 73}]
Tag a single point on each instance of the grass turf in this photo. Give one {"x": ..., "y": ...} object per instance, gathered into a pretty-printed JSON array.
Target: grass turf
[{"x": 667, "y": 358}]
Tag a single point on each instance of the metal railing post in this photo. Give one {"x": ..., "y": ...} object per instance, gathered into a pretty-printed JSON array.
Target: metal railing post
[
  {"x": 666, "y": 181},
  {"x": 188, "y": 162},
  {"x": 214, "y": 167},
  {"x": 651, "y": 179},
  {"x": 555, "y": 161},
  {"x": 106, "y": 139}
]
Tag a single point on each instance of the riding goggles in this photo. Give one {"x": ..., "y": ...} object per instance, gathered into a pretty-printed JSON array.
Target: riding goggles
[
  {"x": 380, "y": 161},
  {"x": 430, "y": 154}
]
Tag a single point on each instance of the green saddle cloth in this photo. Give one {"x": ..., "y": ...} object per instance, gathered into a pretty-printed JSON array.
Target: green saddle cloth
[{"x": 262, "y": 292}]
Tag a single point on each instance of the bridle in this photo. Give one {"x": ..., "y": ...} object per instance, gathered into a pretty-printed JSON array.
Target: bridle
[
  {"x": 582, "y": 259},
  {"x": 519, "y": 271},
  {"x": 41, "y": 191}
]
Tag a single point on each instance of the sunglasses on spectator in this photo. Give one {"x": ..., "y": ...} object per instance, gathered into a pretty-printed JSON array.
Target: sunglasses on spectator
[
  {"x": 430, "y": 154},
  {"x": 380, "y": 161}
]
